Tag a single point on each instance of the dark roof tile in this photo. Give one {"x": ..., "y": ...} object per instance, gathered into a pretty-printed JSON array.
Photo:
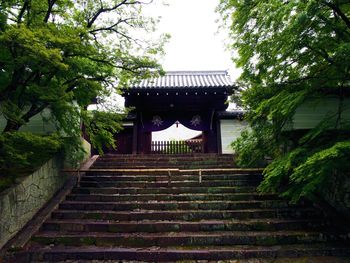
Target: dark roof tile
[{"x": 187, "y": 79}]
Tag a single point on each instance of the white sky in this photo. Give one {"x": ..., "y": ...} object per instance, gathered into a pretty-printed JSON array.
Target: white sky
[{"x": 195, "y": 44}]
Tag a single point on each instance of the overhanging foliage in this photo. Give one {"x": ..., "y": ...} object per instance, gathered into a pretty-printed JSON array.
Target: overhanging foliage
[
  {"x": 290, "y": 52},
  {"x": 60, "y": 55}
]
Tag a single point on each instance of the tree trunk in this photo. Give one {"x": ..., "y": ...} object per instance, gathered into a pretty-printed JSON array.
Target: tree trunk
[{"x": 11, "y": 126}]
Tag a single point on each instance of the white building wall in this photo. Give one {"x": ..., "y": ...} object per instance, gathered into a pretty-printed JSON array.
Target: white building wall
[
  {"x": 230, "y": 131},
  {"x": 37, "y": 124},
  {"x": 311, "y": 112}
]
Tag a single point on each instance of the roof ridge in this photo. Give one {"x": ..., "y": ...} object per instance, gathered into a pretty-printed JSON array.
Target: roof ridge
[
  {"x": 187, "y": 79},
  {"x": 196, "y": 72}
]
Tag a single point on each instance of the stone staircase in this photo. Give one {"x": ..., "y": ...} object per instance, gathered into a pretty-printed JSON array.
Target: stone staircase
[
  {"x": 128, "y": 208},
  {"x": 166, "y": 161}
]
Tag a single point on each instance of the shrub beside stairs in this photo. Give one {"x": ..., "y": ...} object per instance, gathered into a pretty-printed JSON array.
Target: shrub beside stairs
[{"x": 179, "y": 208}]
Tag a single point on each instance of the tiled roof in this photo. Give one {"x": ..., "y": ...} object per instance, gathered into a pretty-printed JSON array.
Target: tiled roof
[{"x": 187, "y": 79}]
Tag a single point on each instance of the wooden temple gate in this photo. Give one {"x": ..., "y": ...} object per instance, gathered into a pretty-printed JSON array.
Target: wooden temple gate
[{"x": 191, "y": 97}]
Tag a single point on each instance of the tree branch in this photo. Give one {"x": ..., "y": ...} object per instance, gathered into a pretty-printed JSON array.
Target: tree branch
[
  {"x": 50, "y": 3},
  {"x": 322, "y": 53},
  {"x": 103, "y": 10},
  {"x": 23, "y": 9},
  {"x": 34, "y": 110},
  {"x": 338, "y": 11},
  {"x": 14, "y": 125},
  {"x": 74, "y": 82},
  {"x": 110, "y": 28}
]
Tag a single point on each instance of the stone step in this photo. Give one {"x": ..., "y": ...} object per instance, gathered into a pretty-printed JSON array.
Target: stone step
[
  {"x": 170, "y": 197},
  {"x": 172, "y": 205},
  {"x": 145, "y": 184},
  {"x": 217, "y": 238},
  {"x": 155, "y": 178},
  {"x": 129, "y": 215},
  {"x": 283, "y": 253},
  {"x": 181, "y": 226},
  {"x": 164, "y": 190},
  {"x": 165, "y": 160},
  {"x": 162, "y": 165},
  {"x": 131, "y": 171},
  {"x": 172, "y": 157},
  {"x": 189, "y": 215},
  {"x": 161, "y": 162},
  {"x": 146, "y": 161},
  {"x": 157, "y": 162},
  {"x": 166, "y": 166}
]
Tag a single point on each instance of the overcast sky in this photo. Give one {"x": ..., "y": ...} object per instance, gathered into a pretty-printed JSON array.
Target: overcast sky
[{"x": 195, "y": 44}]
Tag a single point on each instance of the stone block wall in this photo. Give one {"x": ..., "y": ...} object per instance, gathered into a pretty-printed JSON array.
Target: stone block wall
[{"x": 20, "y": 203}]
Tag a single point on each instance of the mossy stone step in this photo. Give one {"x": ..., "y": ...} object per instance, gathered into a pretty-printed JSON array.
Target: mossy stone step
[
  {"x": 109, "y": 176},
  {"x": 168, "y": 158},
  {"x": 145, "y": 184},
  {"x": 165, "y": 161},
  {"x": 129, "y": 214},
  {"x": 161, "y": 165},
  {"x": 173, "y": 205},
  {"x": 165, "y": 239},
  {"x": 180, "y": 226},
  {"x": 164, "y": 190},
  {"x": 188, "y": 215},
  {"x": 279, "y": 254},
  {"x": 170, "y": 197}
]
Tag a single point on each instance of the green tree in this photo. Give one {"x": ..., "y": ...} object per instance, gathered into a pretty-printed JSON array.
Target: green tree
[
  {"x": 58, "y": 55},
  {"x": 291, "y": 51}
]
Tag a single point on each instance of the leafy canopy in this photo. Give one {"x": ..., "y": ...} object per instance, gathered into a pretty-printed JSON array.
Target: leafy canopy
[
  {"x": 59, "y": 55},
  {"x": 22, "y": 153},
  {"x": 290, "y": 52}
]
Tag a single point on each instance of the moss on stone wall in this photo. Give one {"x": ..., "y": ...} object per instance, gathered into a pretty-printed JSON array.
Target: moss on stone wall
[{"x": 21, "y": 202}]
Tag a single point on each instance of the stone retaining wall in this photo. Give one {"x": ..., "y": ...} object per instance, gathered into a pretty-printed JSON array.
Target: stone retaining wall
[{"x": 21, "y": 202}]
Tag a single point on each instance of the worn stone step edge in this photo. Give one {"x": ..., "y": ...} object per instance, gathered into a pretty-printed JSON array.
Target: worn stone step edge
[
  {"x": 165, "y": 239},
  {"x": 165, "y": 162},
  {"x": 167, "y": 197},
  {"x": 166, "y": 157},
  {"x": 163, "y": 166},
  {"x": 174, "y": 184},
  {"x": 188, "y": 215},
  {"x": 178, "y": 226},
  {"x": 165, "y": 170},
  {"x": 170, "y": 161},
  {"x": 166, "y": 190},
  {"x": 212, "y": 183},
  {"x": 179, "y": 254},
  {"x": 180, "y": 182},
  {"x": 174, "y": 205},
  {"x": 155, "y": 178}
]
